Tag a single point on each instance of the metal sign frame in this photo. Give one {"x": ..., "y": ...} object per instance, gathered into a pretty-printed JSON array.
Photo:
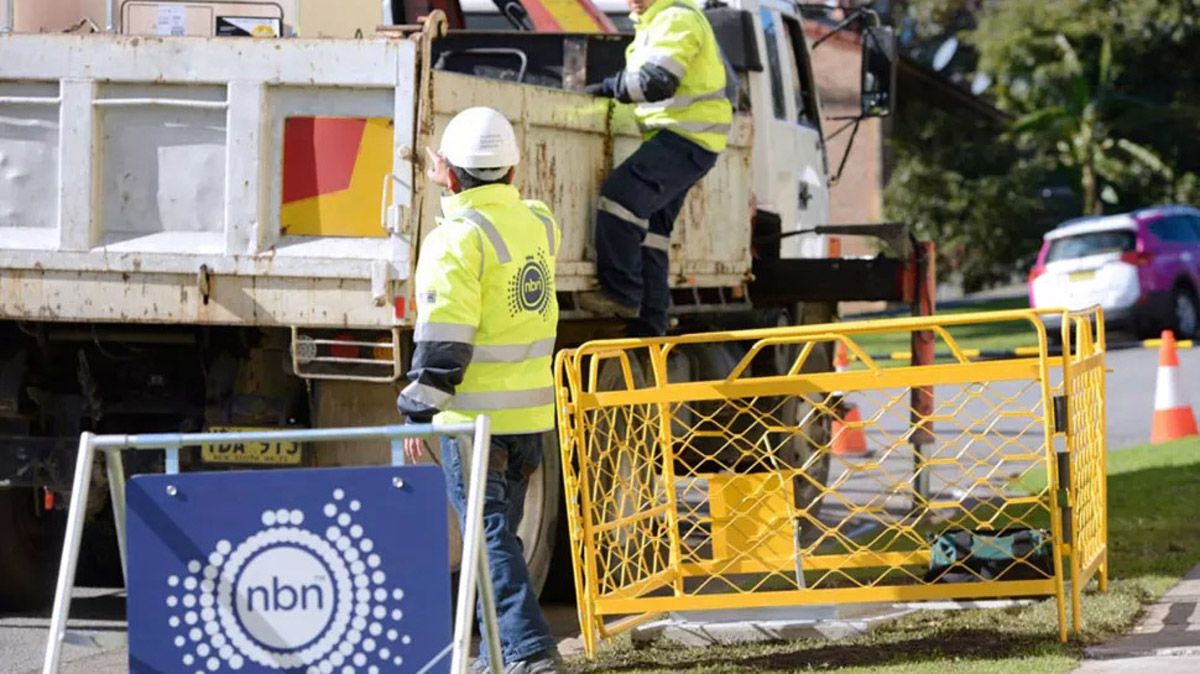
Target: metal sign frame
[{"x": 475, "y": 578}]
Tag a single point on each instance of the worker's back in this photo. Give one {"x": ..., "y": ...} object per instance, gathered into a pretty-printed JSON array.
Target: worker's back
[{"x": 510, "y": 245}]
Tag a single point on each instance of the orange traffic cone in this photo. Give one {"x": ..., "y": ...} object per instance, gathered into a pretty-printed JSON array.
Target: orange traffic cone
[
  {"x": 1173, "y": 416},
  {"x": 848, "y": 436}
]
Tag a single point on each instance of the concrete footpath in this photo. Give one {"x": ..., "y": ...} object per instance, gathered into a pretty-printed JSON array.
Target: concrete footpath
[{"x": 1167, "y": 639}]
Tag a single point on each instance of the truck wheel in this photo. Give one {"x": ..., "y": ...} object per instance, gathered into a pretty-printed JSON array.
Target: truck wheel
[
  {"x": 27, "y": 551},
  {"x": 539, "y": 527},
  {"x": 619, "y": 489},
  {"x": 1185, "y": 313},
  {"x": 809, "y": 448}
]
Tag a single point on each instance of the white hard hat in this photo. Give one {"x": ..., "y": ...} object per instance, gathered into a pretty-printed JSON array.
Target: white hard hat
[{"x": 478, "y": 139}]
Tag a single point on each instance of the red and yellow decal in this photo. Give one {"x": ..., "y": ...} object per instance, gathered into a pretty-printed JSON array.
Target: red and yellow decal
[
  {"x": 333, "y": 169},
  {"x": 567, "y": 16}
]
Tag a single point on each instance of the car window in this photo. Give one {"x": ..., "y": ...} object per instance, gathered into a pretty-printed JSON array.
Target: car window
[
  {"x": 771, "y": 35},
  {"x": 1175, "y": 229},
  {"x": 1091, "y": 243},
  {"x": 797, "y": 57}
]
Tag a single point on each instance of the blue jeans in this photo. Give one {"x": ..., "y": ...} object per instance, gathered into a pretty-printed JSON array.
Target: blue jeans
[
  {"x": 523, "y": 630},
  {"x": 632, "y": 257}
]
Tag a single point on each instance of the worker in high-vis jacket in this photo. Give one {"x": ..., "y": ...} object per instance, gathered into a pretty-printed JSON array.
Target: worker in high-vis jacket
[
  {"x": 485, "y": 329},
  {"x": 676, "y": 75}
]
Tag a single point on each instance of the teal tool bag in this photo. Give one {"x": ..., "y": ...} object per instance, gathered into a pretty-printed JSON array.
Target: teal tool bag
[{"x": 962, "y": 556}]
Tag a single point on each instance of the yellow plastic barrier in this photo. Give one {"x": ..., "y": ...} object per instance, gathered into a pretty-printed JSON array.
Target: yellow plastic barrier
[{"x": 701, "y": 471}]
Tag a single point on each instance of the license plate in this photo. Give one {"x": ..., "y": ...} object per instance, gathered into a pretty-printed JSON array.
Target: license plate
[
  {"x": 257, "y": 453},
  {"x": 1076, "y": 276}
]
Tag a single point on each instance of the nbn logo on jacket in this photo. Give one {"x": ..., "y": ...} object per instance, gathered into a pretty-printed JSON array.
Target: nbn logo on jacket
[
  {"x": 531, "y": 287},
  {"x": 314, "y": 571}
]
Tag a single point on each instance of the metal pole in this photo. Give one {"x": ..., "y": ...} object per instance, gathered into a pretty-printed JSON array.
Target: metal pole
[
  {"x": 482, "y": 449},
  {"x": 385, "y": 12},
  {"x": 116, "y": 488},
  {"x": 921, "y": 399},
  {"x": 70, "y": 553},
  {"x": 487, "y": 597},
  {"x": 110, "y": 15},
  {"x": 7, "y": 26},
  {"x": 472, "y": 537}
]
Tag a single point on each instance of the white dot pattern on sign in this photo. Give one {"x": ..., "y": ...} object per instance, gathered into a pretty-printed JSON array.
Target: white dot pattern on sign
[{"x": 218, "y": 642}]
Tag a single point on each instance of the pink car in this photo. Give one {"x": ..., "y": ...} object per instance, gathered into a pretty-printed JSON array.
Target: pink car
[{"x": 1142, "y": 267}]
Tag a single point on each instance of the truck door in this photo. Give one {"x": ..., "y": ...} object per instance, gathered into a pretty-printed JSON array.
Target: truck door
[{"x": 791, "y": 177}]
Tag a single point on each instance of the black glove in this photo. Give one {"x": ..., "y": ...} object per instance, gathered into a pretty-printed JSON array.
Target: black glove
[{"x": 597, "y": 89}]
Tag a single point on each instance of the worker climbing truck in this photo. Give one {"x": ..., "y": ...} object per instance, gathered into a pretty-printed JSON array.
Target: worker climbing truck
[{"x": 202, "y": 232}]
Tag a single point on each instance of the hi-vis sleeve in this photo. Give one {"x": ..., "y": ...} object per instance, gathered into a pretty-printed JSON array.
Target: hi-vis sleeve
[{"x": 448, "y": 295}]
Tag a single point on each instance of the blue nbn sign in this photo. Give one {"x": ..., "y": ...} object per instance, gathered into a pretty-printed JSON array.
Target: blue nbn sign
[{"x": 306, "y": 570}]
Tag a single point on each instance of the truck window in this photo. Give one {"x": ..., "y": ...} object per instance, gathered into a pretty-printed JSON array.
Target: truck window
[
  {"x": 773, "y": 65},
  {"x": 801, "y": 72}
]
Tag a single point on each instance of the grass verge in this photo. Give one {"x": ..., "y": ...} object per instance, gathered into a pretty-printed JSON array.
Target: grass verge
[
  {"x": 1154, "y": 538},
  {"x": 985, "y": 336}
]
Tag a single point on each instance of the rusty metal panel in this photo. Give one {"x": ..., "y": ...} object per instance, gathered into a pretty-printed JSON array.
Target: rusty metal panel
[
  {"x": 179, "y": 299},
  {"x": 570, "y": 142}
]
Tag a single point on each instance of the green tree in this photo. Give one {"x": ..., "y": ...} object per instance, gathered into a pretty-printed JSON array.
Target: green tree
[
  {"x": 1115, "y": 82},
  {"x": 1074, "y": 128}
]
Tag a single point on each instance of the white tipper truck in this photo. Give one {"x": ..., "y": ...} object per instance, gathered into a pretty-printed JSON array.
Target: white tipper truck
[{"x": 199, "y": 231}]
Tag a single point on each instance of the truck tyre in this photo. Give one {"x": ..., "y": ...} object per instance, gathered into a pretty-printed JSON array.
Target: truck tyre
[
  {"x": 624, "y": 488},
  {"x": 810, "y": 448},
  {"x": 539, "y": 528},
  {"x": 1185, "y": 312},
  {"x": 27, "y": 552}
]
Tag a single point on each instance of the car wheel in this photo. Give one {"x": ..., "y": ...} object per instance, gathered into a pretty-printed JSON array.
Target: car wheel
[{"x": 1185, "y": 314}]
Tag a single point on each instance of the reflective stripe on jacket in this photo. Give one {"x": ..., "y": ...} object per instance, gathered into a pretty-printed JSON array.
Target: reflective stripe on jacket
[
  {"x": 674, "y": 35},
  {"x": 487, "y": 315}
]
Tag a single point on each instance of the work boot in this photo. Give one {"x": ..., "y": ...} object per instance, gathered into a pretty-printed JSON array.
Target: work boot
[
  {"x": 546, "y": 662},
  {"x": 600, "y": 304}
]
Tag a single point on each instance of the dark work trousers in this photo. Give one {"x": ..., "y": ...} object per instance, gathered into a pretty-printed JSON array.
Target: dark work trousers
[
  {"x": 524, "y": 633},
  {"x": 639, "y": 202}
]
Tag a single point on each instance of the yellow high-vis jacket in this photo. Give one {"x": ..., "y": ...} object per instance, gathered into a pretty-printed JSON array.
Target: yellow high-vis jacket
[{"x": 487, "y": 315}]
